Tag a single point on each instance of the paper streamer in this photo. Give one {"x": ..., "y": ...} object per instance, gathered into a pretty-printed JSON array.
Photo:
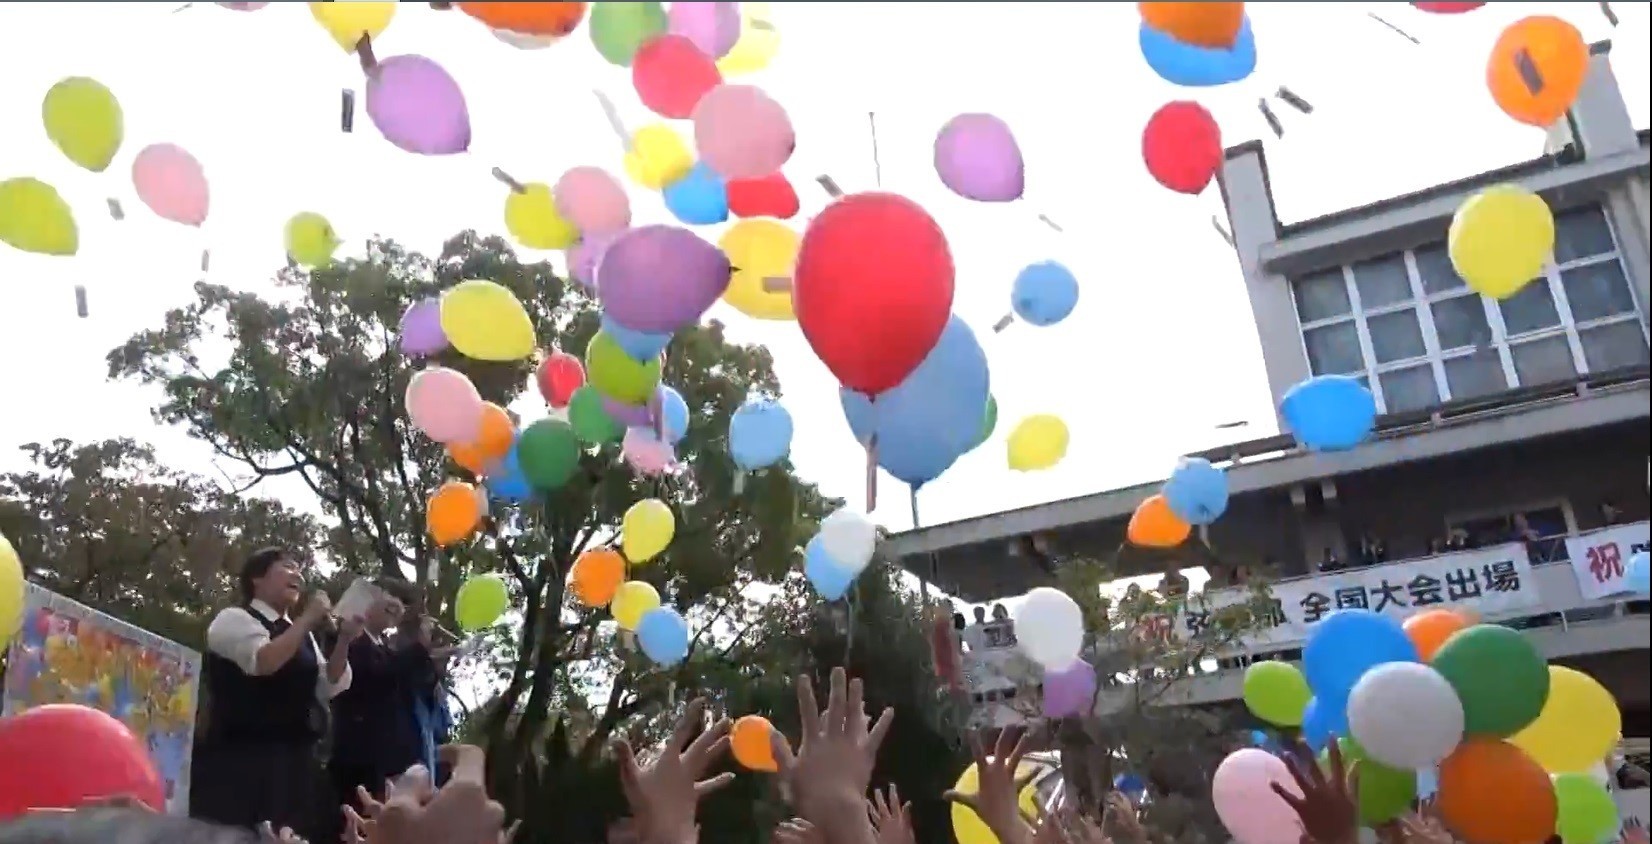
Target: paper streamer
[
  {"x": 614, "y": 121},
  {"x": 1294, "y": 101},
  {"x": 115, "y": 211},
  {"x": 80, "y": 301},
  {"x": 830, "y": 186},
  {"x": 347, "y": 111}
]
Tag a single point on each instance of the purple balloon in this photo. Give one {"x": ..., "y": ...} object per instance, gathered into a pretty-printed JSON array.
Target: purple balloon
[
  {"x": 977, "y": 157},
  {"x": 1070, "y": 691},
  {"x": 629, "y": 415},
  {"x": 418, "y": 107},
  {"x": 421, "y": 329},
  {"x": 712, "y": 27},
  {"x": 657, "y": 279},
  {"x": 584, "y": 256}
]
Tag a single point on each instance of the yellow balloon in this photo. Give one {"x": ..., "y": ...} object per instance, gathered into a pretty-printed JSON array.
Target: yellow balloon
[
  {"x": 34, "y": 218},
  {"x": 485, "y": 322},
  {"x": 348, "y": 22},
  {"x": 759, "y": 41},
  {"x": 310, "y": 239},
  {"x": 532, "y": 219},
  {"x": 657, "y": 157},
  {"x": 968, "y": 826},
  {"x": 11, "y": 592},
  {"x": 646, "y": 530},
  {"x": 1039, "y": 442},
  {"x": 1500, "y": 239},
  {"x": 761, "y": 249},
  {"x": 632, "y": 600},
  {"x": 83, "y": 118},
  {"x": 1580, "y": 723}
]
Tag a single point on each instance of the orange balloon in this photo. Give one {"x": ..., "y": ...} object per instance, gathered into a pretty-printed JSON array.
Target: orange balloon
[
  {"x": 1537, "y": 68},
  {"x": 596, "y": 575},
  {"x": 547, "y": 19},
  {"x": 1214, "y": 25},
  {"x": 1153, "y": 525},
  {"x": 452, "y": 513},
  {"x": 1491, "y": 792},
  {"x": 749, "y": 739},
  {"x": 498, "y": 434},
  {"x": 1430, "y": 629}
]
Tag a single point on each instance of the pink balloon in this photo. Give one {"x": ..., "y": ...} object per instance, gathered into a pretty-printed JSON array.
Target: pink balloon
[
  {"x": 445, "y": 405},
  {"x": 645, "y": 452},
  {"x": 713, "y": 27},
  {"x": 1245, "y": 801},
  {"x": 170, "y": 181},
  {"x": 742, "y": 133},
  {"x": 592, "y": 200}
]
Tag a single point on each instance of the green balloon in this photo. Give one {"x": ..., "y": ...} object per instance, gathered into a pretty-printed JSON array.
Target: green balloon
[
  {"x": 989, "y": 422},
  {"x": 591, "y": 421},
  {"x": 1501, "y": 679},
  {"x": 616, "y": 375},
  {"x": 1276, "y": 692},
  {"x": 1586, "y": 812},
  {"x": 1384, "y": 793},
  {"x": 620, "y": 29},
  {"x": 548, "y": 451},
  {"x": 480, "y": 602}
]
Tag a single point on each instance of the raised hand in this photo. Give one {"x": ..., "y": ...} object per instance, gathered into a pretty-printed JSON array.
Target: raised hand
[
  {"x": 997, "y": 800},
  {"x": 891, "y": 819},
  {"x": 1120, "y": 814},
  {"x": 828, "y": 775},
  {"x": 1326, "y": 806},
  {"x": 415, "y": 813},
  {"x": 796, "y": 831},
  {"x": 664, "y": 794},
  {"x": 268, "y": 835}
]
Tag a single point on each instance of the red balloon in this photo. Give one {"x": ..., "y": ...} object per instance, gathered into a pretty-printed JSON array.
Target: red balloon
[
  {"x": 61, "y": 756},
  {"x": 1182, "y": 146},
  {"x": 559, "y": 376},
  {"x": 671, "y": 75},
  {"x": 770, "y": 196},
  {"x": 872, "y": 288},
  {"x": 1448, "y": 8}
]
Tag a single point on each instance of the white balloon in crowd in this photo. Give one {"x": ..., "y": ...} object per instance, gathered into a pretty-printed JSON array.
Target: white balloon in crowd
[
  {"x": 849, "y": 539},
  {"x": 1050, "y": 628},
  {"x": 1406, "y": 715}
]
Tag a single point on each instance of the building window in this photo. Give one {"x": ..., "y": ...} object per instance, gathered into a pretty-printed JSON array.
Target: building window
[{"x": 1406, "y": 324}]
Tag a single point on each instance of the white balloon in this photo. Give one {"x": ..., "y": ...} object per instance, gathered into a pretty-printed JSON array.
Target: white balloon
[
  {"x": 523, "y": 41},
  {"x": 849, "y": 538},
  {"x": 1049, "y": 627},
  {"x": 1406, "y": 715}
]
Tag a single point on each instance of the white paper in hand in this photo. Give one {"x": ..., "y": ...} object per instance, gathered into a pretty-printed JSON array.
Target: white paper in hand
[{"x": 358, "y": 599}]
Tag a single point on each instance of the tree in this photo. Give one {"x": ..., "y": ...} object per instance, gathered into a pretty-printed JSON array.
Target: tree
[
  {"x": 312, "y": 386},
  {"x": 107, "y": 525}
]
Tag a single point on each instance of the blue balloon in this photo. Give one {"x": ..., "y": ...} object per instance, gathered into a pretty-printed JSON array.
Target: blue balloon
[
  {"x": 1323, "y": 720},
  {"x": 675, "y": 412},
  {"x": 759, "y": 435},
  {"x": 640, "y": 345},
  {"x": 929, "y": 420},
  {"x": 505, "y": 480},
  {"x": 1329, "y": 412},
  {"x": 1199, "y": 67},
  {"x": 1197, "y": 492},
  {"x": 1428, "y": 782},
  {"x": 699, "y": 198},
  {"x": 1638, "y": 576},
  {"x": 663, "y": 635},
  {"x": 830, "y": 578},
  {"x": 1129, "y": 784},
  {"x": 1349, "y": 643},
  {"x": 1044, "y": 294}
]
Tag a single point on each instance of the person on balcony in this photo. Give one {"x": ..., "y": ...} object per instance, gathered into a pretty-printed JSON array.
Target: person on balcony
[{"x": 975, "y": 635}]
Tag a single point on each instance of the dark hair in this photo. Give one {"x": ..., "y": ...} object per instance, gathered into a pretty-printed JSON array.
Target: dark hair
[
  {"x": 128, "y": 826},
  {"x": 258, "y": 565},
  {"x": 399, "y": 589}
]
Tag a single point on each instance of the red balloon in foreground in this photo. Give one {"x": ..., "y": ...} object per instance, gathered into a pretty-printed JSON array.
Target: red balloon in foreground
[
  {"x": 671, "y": 75},
  {"x": 61, "y": 756},
  {"x": 872, "y": 288},
  {"x": 559, "y": 376},
  {"x": 1182, "y": 146},
  {"x": 1448, "y": 8},
  {"x": 770, "y": 196}
]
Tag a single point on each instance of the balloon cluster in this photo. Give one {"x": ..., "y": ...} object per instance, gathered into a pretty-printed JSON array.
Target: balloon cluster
[
  {"x": 839, "y": 552},
  {"x": 1511, "y": 740},
  {"x": 1191, "y": 45}
]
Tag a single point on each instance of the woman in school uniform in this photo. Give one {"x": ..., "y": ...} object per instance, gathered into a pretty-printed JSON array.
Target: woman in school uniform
[{"x": 266, "y": 683}]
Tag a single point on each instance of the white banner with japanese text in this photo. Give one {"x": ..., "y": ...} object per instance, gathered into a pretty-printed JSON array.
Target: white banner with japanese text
[
  {"x": 1490, "y": 582},
  {"x": 1599, "y": 557}
]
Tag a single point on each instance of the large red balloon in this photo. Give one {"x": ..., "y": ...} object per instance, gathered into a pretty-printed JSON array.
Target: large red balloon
[
  {"x": 1182, "y": 146},
  {"x": 770, "y": 196},
  {"x": 1444, "y": 8},
  {"x": 671, "y": 75},
  {"x": 872, "y": 288},
  {"x": 61, "y": 756},
  {"x": 559, "y": 376}
]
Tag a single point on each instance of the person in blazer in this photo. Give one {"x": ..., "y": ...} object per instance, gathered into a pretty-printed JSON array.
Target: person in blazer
[{"x": 374, "y": 737}]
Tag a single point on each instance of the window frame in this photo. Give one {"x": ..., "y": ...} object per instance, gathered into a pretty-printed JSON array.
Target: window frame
[{"x": 1421, "y": 305}]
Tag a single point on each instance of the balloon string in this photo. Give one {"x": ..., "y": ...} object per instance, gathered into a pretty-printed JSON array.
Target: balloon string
[
  {"x": 614, "y": 122},
  {"x": 514, "y": 185},
  {"x": 1051, "y": 223},
  {"x": 1402, "y": 33},
  {"x": 872, "y": 473},
  {"x": 364, "y": 52},
  {"x": 1611, "y": 16},
  {"x": 1221, "y": 230},
  {"x": 1003, "y": 322},
  {"x": 913, "y": 497},
  {"x": 828, "y": 184},
  {"x": 877, "y": 163}
]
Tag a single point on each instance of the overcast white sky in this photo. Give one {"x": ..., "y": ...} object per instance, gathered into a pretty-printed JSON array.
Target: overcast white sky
[{"x": 1159, "y": 351}]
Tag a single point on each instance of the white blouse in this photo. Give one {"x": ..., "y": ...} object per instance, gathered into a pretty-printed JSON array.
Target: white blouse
[{"x": 238, "y": 637}]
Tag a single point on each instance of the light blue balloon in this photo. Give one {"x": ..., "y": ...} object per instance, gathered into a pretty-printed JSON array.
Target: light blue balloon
[
  {"x": 505, "y": 480},
  {"x": 674, "y": 409},
  {"x": 1638, "y": 576},
  {"x": 699, "y": 198},
  {"x": 1323, "y": 720},
  {"x": 1349, "y": 643},
  {"x": 1428, "y": 782},
  {"x": 1199, "y": 67},
  {"x": 1129, "y": 784},
  {"x": 926, "y": 422},
  {"x": 663, "y": 635},
  {"x": 1197, "y": 492},
  {"x": 1329, "y": 412},
  {"x": 830, "y": 578},
  {"x": 640, "y": 345},
  {"x": 1044, "y": 294},
  {"x": 759, "y": 435}
]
